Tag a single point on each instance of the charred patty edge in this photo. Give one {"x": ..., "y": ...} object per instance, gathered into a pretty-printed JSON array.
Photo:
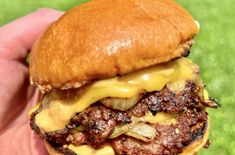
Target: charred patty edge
[{"x": 61, "y": 148}]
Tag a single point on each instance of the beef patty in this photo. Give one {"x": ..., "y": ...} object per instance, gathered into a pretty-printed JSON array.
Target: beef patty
[
  {"x": 98, "y": 122},
  {"x": 170, "y": 139}
]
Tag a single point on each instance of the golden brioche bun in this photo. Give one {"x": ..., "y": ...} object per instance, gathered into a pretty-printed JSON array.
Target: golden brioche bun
[
  {"x": 192, "y": 149},
  {"x": 104, "y": 38}
]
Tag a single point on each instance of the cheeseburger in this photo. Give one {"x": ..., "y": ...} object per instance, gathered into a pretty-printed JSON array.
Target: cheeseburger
[{"x": 116, "y": 80}]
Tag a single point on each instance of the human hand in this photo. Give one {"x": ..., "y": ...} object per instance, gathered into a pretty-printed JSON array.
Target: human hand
[{"x": 16, "y": 95}]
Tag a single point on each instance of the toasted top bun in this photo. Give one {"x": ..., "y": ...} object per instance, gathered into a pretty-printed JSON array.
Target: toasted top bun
[
  {"x": 192, "y": 149},
  {"x": 104, "y": 38}
]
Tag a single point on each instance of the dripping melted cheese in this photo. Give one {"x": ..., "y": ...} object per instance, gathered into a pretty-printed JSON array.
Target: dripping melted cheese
[
  {"x": 88, "y": 150},
  {"x": 59, "y": 111}
]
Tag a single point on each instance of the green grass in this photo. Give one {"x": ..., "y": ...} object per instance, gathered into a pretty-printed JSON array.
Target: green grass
[
  {"x": 11, "y": 9},
  {"x": 213, "y": 51}
]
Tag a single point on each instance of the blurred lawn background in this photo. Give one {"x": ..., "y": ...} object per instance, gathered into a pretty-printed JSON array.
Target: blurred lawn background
[{"x": 214, "y": 52}]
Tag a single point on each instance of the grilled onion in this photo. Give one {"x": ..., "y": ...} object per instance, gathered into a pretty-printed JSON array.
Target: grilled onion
[
  {"x": 208, "y": 101},
  {"x": 139, "y": 131},
  {"x": 176, "y": 86},
  {"x": 119, "y": 130},
  {"x": 142, "y": 131},
  {"x": 122, "y": 104}
]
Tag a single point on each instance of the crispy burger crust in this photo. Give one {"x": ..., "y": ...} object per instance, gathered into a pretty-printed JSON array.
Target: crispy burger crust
[
  {"x": 192, "y": 149},
  {"x": 199, "y": 143},
  {"x": 51, "y": 150},
  {"x": 104, "y": 38}
]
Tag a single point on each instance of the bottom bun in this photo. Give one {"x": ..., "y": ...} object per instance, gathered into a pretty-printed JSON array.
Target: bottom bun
[
  {"x": 192, "y": 149},
  {"x": 198, "y": 143}
]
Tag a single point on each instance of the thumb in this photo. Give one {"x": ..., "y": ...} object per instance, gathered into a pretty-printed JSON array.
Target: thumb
[{"x": 17, "y": 37}]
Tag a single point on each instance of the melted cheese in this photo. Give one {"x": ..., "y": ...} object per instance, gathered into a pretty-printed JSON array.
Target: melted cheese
[
  {"x": 88, "y": 150},
  {"x": 205, "y": 94},
  {"x": 35, "y": 107},
  {"x": 161, "y": 118},
  {"x": 59, "y": 111}
]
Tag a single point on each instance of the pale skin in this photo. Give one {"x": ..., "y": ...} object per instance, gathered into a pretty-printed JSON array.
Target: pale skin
[{"x": 16, "y": 94}]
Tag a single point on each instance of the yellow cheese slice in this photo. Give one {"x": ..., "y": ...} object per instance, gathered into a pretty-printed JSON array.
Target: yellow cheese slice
[
  {"x": 59, "y": 111},
  {"x": 88, "y": 150},
  {"x": 161, "y": 118}
]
